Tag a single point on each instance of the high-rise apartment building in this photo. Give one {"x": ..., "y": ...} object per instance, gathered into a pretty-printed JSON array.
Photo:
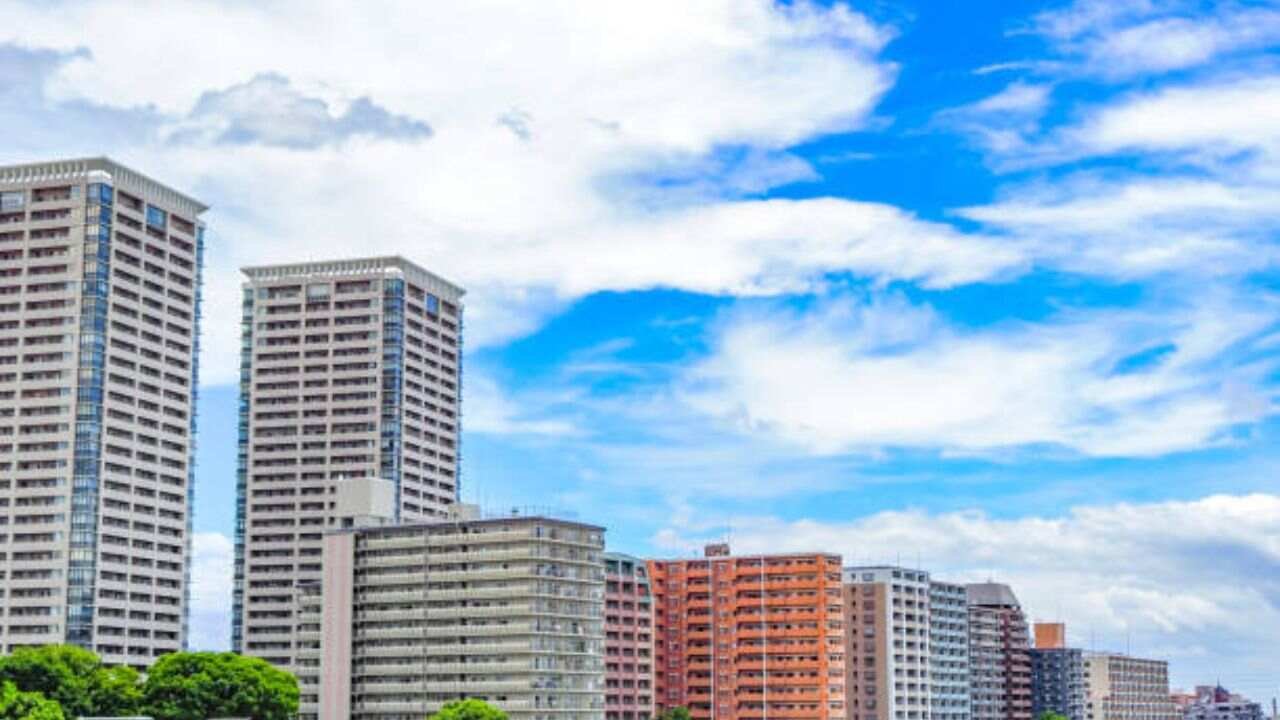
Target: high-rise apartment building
[
  {"x": 1057, "y": 674},
  {"x": 349, "y": 369},
  {"x": 908, "y": 645},
  {"x": 948, "y": 651},
  {"x": 1128, "y": 688},
  {"x": 889, "y": 651},
  {"x": 749, "y": 637},
  {"x": 409, "y": 617},
  {"x": 628, "y": 638},
  {"x": 99, "y": 338},
  {"x": 999, "y": 654}
]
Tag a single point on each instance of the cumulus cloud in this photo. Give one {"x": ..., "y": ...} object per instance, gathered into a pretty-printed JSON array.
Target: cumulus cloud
[
  {"x": 269, "y": 110},
  {"x": 1165, "y": 576},
  {"x": 528, "y": 187},
  {"x": 856, "y": 377},
  {"x": 212, "y": 556}
]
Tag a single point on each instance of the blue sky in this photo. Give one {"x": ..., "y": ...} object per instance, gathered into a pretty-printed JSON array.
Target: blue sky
[{"x": 990, "y": 287}]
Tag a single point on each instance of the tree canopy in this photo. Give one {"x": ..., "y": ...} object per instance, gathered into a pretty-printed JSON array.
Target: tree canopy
[
  {"x": 75, "y": 679},
  {"x": 54, "y": 682},
  {"x": 18, "y": 705},
  {"x": 198, "y": 685},
  {"x": 470, "y": 709}
]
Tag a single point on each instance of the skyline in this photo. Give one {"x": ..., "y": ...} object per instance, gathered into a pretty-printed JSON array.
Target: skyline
[{"x": 991, "y": 291}]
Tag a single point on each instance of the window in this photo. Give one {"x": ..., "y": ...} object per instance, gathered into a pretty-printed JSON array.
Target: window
[
  {"x": 12, "y": 200},
  {"x": 156, "y": 217}
]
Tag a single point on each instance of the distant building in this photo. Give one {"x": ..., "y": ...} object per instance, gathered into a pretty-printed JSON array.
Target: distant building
[
  {"x": 406, "y": 618},
  {"x": 1050, "y": 636},
  {"x": 750, "y": 637},
  {"x": 628, "y": 638},
  {"x": 999, "y": 654},
  {"x": 888, "y": 619},
  {"x": 1058, "y": 682},
  {"x": 1216, "y": 703},
  {"x": 948, "y": 651},
  {"x": 1128, "y": 688}
]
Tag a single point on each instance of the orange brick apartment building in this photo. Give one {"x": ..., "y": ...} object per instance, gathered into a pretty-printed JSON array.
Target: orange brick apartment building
[{"x": 749, "y": 638}]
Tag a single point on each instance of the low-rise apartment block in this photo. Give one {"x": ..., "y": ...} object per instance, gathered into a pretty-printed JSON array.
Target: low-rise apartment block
[
  {"x": 409, "y": 617},
  {"x": 1128, "y": 688}
]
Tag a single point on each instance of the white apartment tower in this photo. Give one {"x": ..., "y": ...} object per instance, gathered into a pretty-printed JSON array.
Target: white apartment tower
[
  {"x": 349, "y": 370},
  {"x": 99, "y": 338}
]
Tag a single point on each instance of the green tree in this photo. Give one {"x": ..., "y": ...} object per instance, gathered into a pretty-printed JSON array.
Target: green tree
[
  {"x": 1051, "y": 715},
  {"x": 74, "y": 678},
  {"x": 199, "y": 685},
  {"x": 675, "y": 713},
  {"x": 470, "y": 709},
  {"x": 18, "y": 705}
]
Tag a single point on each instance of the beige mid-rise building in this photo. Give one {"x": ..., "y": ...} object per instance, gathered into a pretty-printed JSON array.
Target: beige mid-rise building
[
  {"x": 409, "y": 617},
  {"x": 1119, "y": 687},
  {"x": 99, "y": 337},
  {"x": 889, "y": 651},
  {"x": 350, "y": 370}
]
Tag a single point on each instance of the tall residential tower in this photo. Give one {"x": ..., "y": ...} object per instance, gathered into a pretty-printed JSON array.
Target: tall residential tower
[
  {"x": 349, "y": 370},
  {"x": 99, "y": 338}
]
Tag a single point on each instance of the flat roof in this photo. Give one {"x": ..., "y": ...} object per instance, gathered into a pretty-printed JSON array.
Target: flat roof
[
  {"x": 79, "y": 168},
  {"x": 355, "y": 266}
]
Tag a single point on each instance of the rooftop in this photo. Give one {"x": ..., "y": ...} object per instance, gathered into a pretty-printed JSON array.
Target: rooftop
[
  {"x": 79, "y": 170},
  {"x": 392, "y": 264}
]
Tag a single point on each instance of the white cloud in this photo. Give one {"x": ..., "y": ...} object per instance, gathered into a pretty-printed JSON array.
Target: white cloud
[
  {"x": 1126, "y": 38},
  {"x": 610, "y": 97},
  {"x": 1208, "y": 118},
  {"x": 1212, "y": 211},
  {"x": 851, "y": 377},
  {"x": 1002, "y": 123},
  {"x": 1170, "y": 576},
  {"x": 491, "y": 411},
  {"x": 211, "y": 578}
]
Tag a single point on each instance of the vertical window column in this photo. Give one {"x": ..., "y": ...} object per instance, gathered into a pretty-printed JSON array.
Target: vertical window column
[
  {"x": 242, "y": 470},
  {"x": 392, "y": 383},
  {"x": 82, "y": 567},
  {"x": 191, "y": 433}
]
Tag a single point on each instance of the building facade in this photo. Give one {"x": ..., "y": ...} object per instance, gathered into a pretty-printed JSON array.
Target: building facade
[
  {"x": 948, "y": 651},
  {"x": 349, "y": 369},
  {"x": 628, "y": 639},
  {"x": 1058, "y": 682},
  {"x": 999, "y": 654},
  {"x": 408, "y": 617},
  {"x": 1128, "y": 688},
  {"x": 1214, "y": 702},
  {"x": 888, "y": 625},
  {"x": 750, "y": 636},
  {"x": 100, "y": 277}
]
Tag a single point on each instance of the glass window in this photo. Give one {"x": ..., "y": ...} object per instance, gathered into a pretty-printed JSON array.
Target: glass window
[
  {"x": 12, "y": 200},
  {"x": 433, "y": 305},
  {"x": 156, "y": 217}
]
